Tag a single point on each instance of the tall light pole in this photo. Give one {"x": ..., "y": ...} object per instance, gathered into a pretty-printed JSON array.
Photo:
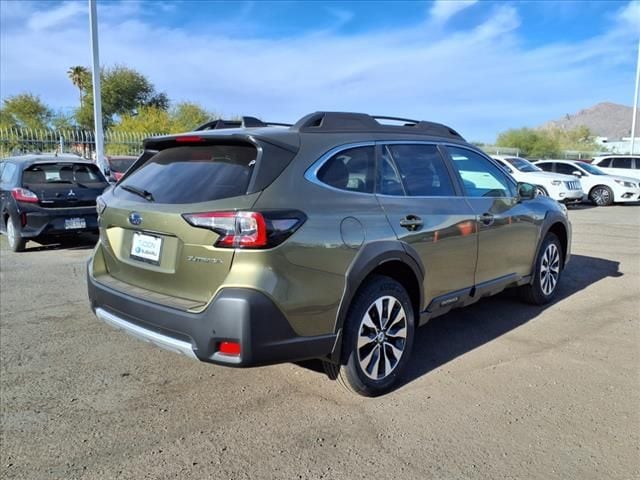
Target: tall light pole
[
  {"x": 97, "y": 97},
  {"x": 635, "y": 103}
]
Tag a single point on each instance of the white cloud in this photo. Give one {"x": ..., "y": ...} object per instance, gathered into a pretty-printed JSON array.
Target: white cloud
[
  {"x": 443, "y": 10},
  {"x": 57, "y": 16},
  {"x": 480, "y": 80}
]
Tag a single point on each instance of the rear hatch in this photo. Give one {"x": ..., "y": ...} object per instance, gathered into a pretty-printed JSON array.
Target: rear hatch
[
  {"x": 149, "y": 243},
  {"x": 64, "y": 184}
]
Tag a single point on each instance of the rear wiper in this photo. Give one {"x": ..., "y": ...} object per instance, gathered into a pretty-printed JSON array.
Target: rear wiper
[
  {"x": 146, "y": 194},
  {"x": 59, "y": 181}
]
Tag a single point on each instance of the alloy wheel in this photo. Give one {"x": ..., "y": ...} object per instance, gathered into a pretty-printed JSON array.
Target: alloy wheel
[
  {"x": 540, "y": 192},
  {"x": 550, "y": 269},
  {"x": 601, "y": 196},
  {"x": 382, "y": 337}
]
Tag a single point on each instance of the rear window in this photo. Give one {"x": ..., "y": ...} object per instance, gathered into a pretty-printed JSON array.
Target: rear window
[
  {"x": 52, "y": 173},
  {"x": 193, "y": 174}
]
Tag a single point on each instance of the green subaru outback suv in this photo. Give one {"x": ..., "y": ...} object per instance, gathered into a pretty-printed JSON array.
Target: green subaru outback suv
[{"x": 246, "y": 243}]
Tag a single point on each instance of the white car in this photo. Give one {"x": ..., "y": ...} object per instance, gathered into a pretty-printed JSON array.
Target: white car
[
  {"x": 600, "y": 187},
  {"x": 624, "y": 165},
  {"x": 563, "y": 188}
]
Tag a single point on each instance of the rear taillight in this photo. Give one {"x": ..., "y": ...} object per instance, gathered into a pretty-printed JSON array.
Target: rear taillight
[
  {"x": 248, "y": 229},
  {"x": 24, "y": 195}
]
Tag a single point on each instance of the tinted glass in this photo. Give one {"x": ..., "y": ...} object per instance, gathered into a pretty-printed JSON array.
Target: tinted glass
[
  {"x": 622, "y": 162},
  {"x": 547, "y": 167},
  {"x": 504, "y": 165},
  {"x": 565, "y": 168},
  {"x": 193, "y": 174},
  {"x": 120, "y": 165},
  {"x": 389, "y": 181},
  {"x": 592, "y": 169},
  {"x": 7, "y": 172},
  {"x": 605, "y": 163},
  {"x": 481, "y": 178},
  {"x": 71, "y": 173},
  {"x": 422, "y": 170},
  {"x": 522, "y": 164},
  {"x": 352, "y": 170}
]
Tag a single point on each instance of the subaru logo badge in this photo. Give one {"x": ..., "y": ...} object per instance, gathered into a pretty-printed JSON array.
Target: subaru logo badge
[{"x": 135, "y": 218}]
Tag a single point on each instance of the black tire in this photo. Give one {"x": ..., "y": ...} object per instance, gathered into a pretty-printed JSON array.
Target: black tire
[
  {"x": 541, "y": 191},
  {"x": 547, "y": 273},
  {"x": 382, "y": 343},
  {"x": 601, "y": 195},
  {"x": 16, "y": 242}
]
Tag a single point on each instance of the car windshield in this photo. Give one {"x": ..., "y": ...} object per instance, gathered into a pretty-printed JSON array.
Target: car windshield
[
  {"x": 522, "y": 164},
  {"x": 593, "y": 170}
]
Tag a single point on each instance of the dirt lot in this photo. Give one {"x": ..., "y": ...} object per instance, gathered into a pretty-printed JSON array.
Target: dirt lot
[{"x": 499, "y": 390}]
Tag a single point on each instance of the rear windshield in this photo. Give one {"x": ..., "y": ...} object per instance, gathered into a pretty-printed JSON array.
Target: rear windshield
[
  {"x": 121, "y": 165},
  {"x": 192, "y": 174},
  {"x": 61, "y": 173}
]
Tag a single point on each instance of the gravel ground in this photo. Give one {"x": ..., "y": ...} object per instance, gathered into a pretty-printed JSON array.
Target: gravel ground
[{"x": 499, "y": 390}]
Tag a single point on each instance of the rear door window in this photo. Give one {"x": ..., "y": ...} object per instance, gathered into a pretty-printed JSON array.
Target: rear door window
[
  {"x": 193, "y": 174},
  {"x": 565, "y": 168},
  {"x": 422, "y": 170},
  {"x": 622, "y": 162}
]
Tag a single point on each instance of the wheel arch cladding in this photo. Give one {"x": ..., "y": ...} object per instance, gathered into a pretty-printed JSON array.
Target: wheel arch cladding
[
  {"x": 560, "y": 231},
  {"x": 390, "y": 258}
]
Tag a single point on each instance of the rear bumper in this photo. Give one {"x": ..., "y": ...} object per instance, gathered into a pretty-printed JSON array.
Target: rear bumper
[
  {"x": 235, "y": 315},
  {"x": 42, "y": 221}
]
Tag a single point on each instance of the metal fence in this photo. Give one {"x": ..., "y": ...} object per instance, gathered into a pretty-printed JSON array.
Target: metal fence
[{"x": 14, "y": 141}]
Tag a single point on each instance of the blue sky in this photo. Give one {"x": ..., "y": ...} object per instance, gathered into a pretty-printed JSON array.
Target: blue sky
[{"x": 480, "y": 66}]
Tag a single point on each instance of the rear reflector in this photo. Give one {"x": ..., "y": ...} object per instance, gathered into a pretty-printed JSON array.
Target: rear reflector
[
  {"x": 229, "y": 348},
  {"x": 24, "y": 195}
]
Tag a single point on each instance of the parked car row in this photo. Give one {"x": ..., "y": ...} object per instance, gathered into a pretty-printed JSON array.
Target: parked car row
[{"x": 571, "y": 181}]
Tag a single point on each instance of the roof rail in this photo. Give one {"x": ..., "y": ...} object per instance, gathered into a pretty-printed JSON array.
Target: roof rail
[
  {"x": 361, "y": 122},
  {"x": 244, "y": 122}
]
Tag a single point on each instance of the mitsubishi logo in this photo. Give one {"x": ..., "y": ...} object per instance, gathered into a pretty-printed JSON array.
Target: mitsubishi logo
[{"x": 71, "y": 193}]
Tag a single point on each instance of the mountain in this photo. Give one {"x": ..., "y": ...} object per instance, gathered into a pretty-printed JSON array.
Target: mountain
[{"x": 605, "y": 119}]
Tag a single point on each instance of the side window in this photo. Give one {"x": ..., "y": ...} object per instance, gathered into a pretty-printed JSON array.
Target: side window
[
  {"x": 547, "y": 166},
  {"x": 7, "y": 173},
  {"x": 481, "y": 178},
  {"x": 389, "y": 180},
  {"x": 352, "y": 170},
  {"x": 565, "y": 168},
  {"x": 623, "y": 162},
  {"x": 606, "y": 163},
  {"x": 422, "y": 170}
]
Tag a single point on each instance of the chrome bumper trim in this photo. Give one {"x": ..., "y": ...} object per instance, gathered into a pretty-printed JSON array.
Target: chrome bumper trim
[{"x": 149, "y": 336}]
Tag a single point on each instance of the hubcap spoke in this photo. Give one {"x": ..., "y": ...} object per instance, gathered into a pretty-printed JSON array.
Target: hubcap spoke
[{"x": 549, "y": 269}]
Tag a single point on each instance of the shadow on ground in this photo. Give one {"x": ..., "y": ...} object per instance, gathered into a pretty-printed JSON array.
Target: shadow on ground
[
  {"x": 460, "y": 331},
  {"x": 83, "y": 241}
]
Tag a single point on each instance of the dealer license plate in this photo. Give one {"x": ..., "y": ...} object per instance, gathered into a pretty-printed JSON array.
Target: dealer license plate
[
  {"x": 146, "y": 248},
  {"x": 74, "y": 223}
]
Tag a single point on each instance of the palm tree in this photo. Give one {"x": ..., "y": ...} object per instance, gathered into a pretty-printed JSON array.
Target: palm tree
[{"x": 79, "y": 76}]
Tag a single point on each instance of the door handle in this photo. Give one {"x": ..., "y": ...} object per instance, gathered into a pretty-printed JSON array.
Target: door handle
[
  {"x": 411, "y": 222},
  {"x": 487, "y": 219}
]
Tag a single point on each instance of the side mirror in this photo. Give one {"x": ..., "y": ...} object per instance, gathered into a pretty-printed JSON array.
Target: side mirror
[
  {"x": 526, "y": 191},
  {"x": 576, "y": 173}
]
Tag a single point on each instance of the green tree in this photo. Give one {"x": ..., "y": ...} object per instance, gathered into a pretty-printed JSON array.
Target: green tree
[
  {"x": 532, "y": 143},
  {"x": 146, "y": 119},
  {"x": 186, "y": 116},
  {"x": 124, "y": 92},
  {"x": 81, "y": 78},
  {"x": 25, "y": 110}
]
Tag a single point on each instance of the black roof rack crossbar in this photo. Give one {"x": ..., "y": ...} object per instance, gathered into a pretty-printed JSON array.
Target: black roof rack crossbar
[
  {"x": 243, "y": 122},
  {"x": 361, "y": 122}
]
